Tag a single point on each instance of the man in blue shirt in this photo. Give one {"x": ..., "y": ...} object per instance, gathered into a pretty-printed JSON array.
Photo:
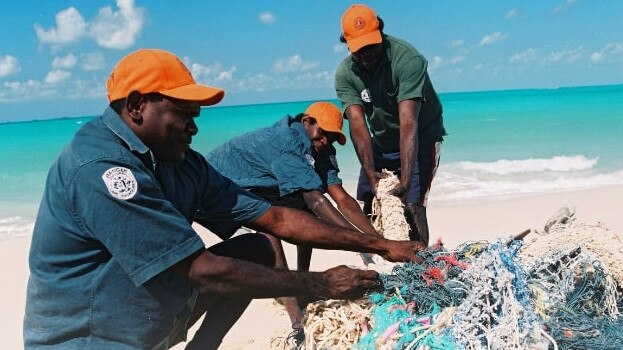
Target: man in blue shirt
[
  {"x": 114, "y": 261},
  {"x": 292, "y": 164}
]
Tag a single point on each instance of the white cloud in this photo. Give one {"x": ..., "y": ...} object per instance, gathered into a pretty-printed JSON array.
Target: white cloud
[
  {"x": 32, "y": 90},
  {"x": 435, "y": 63},
  {"x": 457, "y": 43},
  {"x": 492, "y": 38},
  {"x": 530, "y": 55},
  {"x": 268, "y": 82},
  {"x": 267, "y": 17},
  {"x": 226, "y": 75},
  {"x": 512, "y": 13},
  {"x": 563, "y": 8},
  {"x": 93, "y": 61},
  {"x": 339, "y": 48},
  {"x": 457, "y": 59},
  {"x": 66, "y": 62},
  {"x": 214, "y": 74},
  {"x": 20, "y": 91},
  {"x": 110, "y": 29},
  {"x": 9, "y": 65},
  {"x": 57, "y": 75},
  {"x": 565, "y": 55},
  {"x": 70, "y": 26},
  {"x": 611, "y": 49},
  {"x": 293, "y": 64},
  {"x": 117, "y": 29}
]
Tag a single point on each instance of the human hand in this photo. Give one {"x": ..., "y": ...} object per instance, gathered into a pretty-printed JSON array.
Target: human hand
[
  {"x": 400, "y": 251},
  {"x": 399, "y": 191},
  {"x": 342, "y": 282},
  {"x": 374, "y": 181}
]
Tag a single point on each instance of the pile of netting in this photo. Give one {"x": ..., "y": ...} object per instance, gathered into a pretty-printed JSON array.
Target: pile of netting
[
  {"x": 485, "y": 296},
  {"x": 557, "y": 289}
]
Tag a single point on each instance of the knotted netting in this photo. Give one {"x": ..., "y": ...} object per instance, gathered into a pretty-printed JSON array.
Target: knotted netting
[{"x": 558, "y": 289}]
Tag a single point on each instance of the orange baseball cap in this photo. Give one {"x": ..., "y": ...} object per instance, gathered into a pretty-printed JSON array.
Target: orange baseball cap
[
  {"x": 360, "y": 27},
  {"x": 152, "y": 70},
  {"x": 329, "y": 118}
]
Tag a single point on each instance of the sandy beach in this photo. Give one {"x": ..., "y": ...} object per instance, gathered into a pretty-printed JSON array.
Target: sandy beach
[{"x": 454, "y": 223}]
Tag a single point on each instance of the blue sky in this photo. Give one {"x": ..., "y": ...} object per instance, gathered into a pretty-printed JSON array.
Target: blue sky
[{"x": 55, "y": 56}]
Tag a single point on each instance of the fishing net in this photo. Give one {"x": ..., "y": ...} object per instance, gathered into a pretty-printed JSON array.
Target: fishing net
[{"x": 557, "y": 289}]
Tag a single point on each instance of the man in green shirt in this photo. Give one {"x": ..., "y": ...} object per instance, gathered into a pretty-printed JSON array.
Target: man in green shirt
[{"x": 394, "y": 113}]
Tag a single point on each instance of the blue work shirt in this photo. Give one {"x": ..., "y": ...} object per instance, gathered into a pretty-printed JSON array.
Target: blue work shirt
[
  {"x": 280, "y": 155},
  {"x": 110, "y": 224}
]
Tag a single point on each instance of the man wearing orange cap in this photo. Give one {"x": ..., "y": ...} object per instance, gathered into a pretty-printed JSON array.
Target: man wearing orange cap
[
  {"x": 292, "y": 164},
  {"x": 114, "y": 261},
  {"x": 384, "y": 82}
]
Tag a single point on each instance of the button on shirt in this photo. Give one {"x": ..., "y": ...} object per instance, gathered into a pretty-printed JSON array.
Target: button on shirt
[
  {"x": 108, "y": 228},
  {"x": 280, "y": 156}
]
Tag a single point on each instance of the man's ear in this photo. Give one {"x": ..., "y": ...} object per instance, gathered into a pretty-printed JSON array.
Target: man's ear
[
  {"x": 308, "y": 120},
  {"x": 133, "y": 104}
]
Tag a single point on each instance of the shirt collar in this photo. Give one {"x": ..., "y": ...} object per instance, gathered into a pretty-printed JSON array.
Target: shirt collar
[
  {"x": 300, "y": 132},
  {"x": 114, "y": 122}
]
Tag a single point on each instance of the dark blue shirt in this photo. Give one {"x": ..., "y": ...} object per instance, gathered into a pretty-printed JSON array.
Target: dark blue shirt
[
  {"x": 280, "y": 155},
  {"x": 110, "y": 224}
]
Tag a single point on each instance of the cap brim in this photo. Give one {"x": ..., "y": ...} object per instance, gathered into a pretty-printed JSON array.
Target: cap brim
[
  {"x": 364, "y": 40},
  {"x": 341, "y": 139},
  {"x": 203, "y": 94}
]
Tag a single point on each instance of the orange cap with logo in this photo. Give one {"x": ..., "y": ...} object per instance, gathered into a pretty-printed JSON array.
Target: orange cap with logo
[
  {"x": 329, "y": 118},
  {"x": 152, "y": 70},
  {"x": 360, "y": 27}
]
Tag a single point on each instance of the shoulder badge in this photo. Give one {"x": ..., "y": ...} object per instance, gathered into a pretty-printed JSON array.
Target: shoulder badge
[
  {"x": 310, "y": 159},
  {"x": 365, "y": 96},
  {"x": 120, "y": 182}
]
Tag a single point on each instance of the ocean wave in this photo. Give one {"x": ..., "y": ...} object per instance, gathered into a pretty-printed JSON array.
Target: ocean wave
[
  {"x": 531, "y": 165},
  {"x": 453, "y": 186},
  {"x": 15, "y": 226}
]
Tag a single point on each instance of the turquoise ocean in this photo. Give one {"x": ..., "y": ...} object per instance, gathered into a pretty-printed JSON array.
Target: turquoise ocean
[{"x": 500, "y": 144}]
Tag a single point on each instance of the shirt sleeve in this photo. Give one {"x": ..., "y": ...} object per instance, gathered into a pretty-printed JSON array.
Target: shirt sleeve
[
  {"x": 344, "y": 87},
  {"x": 328, "y": 169},
  {"x": 295, "y": 171},
  {"x": 121, "y": 206},
  {"x": 226, "y": 206},
  {"x": 412, "y": 77}
]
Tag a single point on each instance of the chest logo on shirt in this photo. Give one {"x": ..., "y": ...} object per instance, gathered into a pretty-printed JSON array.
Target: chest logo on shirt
[
  {"x": 365, "y": 95},
  {"x": 310, "y": 159},
  {"x": 120, "y": 182}
]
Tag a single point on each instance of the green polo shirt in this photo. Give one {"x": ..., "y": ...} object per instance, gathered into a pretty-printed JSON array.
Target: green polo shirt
[{"x": 400, "y": 75}]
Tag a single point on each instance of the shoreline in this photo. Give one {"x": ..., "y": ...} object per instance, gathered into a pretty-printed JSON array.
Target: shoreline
[{"x": 455, "y": 223}]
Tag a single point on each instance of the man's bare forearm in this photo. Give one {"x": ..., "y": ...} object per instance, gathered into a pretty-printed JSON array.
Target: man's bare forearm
[
  {"x": 362, "y": 142},
  {"x": 218, "y": 275},
  {"x": 409, "y": 111},
  {"x": 298, "y": 227}
]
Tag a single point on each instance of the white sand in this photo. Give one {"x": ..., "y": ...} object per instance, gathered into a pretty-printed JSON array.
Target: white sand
[{"x": 454, "y": 223}]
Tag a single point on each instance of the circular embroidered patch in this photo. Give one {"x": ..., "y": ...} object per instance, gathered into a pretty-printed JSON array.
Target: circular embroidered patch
[
  {"x": 120, "y": 182},
  {"x": 360, "y": 23},
  {"x": 310, "y": 159},
  {"x": 365, "y": 95}
]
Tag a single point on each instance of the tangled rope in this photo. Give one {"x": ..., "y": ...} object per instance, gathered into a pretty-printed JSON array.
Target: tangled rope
[
  {"x": 561, "y": 289},
  {"x": 388, "y": 210},
  {"x": 336, "y": 324}
]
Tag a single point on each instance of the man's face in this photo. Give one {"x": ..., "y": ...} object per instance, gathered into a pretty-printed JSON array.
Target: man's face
[
  {"x": 168, "y": 127},
  {"x": 320, "y": 139},
  {"x": 368, "y": 57}
]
